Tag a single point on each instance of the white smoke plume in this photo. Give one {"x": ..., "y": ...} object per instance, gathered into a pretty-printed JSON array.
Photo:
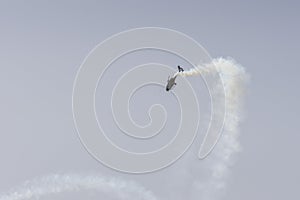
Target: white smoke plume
[
  {"x": 55, "y": 184},
  {"x": 218, "y": 163}
]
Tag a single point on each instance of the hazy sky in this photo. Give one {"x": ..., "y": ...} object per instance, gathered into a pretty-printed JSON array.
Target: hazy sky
[{"x": 43, "y": 43}]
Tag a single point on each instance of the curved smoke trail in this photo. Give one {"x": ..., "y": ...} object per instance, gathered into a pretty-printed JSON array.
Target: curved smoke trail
[
  {"x": 218, "y": 163},
  {"x": 55, "y": 184}
]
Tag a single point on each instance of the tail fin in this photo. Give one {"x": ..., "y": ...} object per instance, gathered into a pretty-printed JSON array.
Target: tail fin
[{"x": 180, "y": 69}]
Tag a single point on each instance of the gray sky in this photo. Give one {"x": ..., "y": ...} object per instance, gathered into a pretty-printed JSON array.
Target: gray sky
[{"x": 44, "y": 43}]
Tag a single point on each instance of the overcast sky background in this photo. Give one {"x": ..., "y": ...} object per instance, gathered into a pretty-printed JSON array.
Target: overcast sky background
[{"x": 42, "y": 45}]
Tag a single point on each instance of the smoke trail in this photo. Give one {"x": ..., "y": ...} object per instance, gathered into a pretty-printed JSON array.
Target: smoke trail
[
  {"x": 54, "y": 184},
  {"x": 221, "y": 159},
  {"x": 195, "y": 71}
]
